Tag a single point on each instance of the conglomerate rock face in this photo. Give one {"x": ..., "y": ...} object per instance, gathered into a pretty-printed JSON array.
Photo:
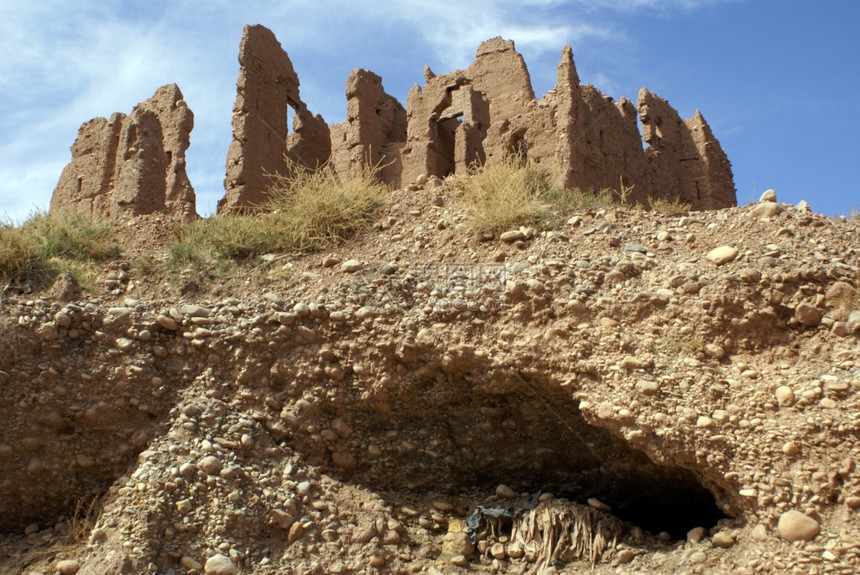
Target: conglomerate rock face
[
  {"x": 132, "y": 165},
  {"x": 682, "y": 392}
]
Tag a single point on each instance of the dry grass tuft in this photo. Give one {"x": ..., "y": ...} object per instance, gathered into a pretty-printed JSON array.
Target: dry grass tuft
[
  {"x": 18, "y": 252},
  {"x": 47, "y": 243},
  {"x": 84, "y": 518},
  {"x": 308, "y": 210},
  {"x": 79, "y": 526},
  {"x": 501, "y": 196},
  {"x": 669, "y": 207},
  {"x": 10, "y": 340},
  {"x": 317, "y": 208}
]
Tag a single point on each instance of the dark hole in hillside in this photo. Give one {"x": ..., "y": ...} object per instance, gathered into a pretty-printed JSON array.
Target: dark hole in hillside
[{"x": 465, "y": 436}]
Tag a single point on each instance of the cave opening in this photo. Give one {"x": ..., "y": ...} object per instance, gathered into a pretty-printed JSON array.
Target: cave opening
[{"x": 456, "y": 436}]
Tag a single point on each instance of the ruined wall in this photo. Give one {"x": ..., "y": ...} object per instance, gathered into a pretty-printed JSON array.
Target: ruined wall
[
  {"x": 266, "y": 87},
  {"x": 475, "y": 115},
  {"x": 374, "y": 131},
  {"x": 489, "y": 111},
  {"x": 683, "y": 157},
  {"x": 480, "y": 115},
  {"x": 132, "y": 165}
]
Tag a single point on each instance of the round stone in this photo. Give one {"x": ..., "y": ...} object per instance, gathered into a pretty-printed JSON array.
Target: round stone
[
  {"x": 219, "y": 565},
  {"x": 807, "y": 314},
  {"x": 504, "y": 491},
  {"x": 351, "y": 266},
  {"x": 124, "y": 344},
  {"x": 167, "y": 322},
  {"x": 784, "y": 395},
  {"x": 722, "y": 255},
  {"x": 768, "y": 196},
  {"x": 722, "y": 539},
  {"x": 343, "y": 459},
  {"x": 599, "y": 505},
  {"x": 68, "y": 567},
  {"x": 210, "y": 464},
  {"x": 461, "y": 544},
  {"x": 190, "y": 563},
  {"x": 795, "y": 526},
  {"x": 695, "y": 535}
]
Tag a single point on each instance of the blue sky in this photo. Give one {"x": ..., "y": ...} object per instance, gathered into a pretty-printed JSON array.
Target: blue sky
[{"x": 778, "y": 80}]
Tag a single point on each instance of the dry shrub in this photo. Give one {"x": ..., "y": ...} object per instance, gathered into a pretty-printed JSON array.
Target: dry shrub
[
  {"x": 10, "y": 340},
  {"x": 315, "y": 208},
  {"x": 570, "y": 200},
  {"x": 498, "y": 197},
  {"x": 18, "y": 252},
  {"x": 47, "y": 243},
  {"x": 79, "y": 526},
  {"x": 307, "y": 210},
  {"x": 673, "y": 208},
  {"x": 72, "y": 235}
]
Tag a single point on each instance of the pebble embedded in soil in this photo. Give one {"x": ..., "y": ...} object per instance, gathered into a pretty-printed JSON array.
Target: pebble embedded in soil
[
  {"x": 738, "y": 370},
  {"x": 795, "y": 526}
]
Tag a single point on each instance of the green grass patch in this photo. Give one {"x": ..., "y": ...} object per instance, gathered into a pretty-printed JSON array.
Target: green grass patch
[{"x": 47, "y": 243}]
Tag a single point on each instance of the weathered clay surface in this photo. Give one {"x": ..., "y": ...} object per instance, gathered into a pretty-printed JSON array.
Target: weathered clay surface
[
  {"x": 480, "y": 115},
  {"x": 132, "y": 165},
  {"x": 489, "y": 111},
  {"x": 374, "y": 131},
  {"x": 684, "y": 159},
  {"x": 267, "y": 87}
]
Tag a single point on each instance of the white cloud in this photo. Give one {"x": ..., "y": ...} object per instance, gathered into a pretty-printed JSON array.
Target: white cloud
[{"x": 658, "y": 5}]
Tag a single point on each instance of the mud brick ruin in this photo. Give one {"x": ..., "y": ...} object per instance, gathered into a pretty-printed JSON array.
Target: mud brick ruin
[
  {"x": 132, "y": 165},
  {"x": 480, "y": 115}
]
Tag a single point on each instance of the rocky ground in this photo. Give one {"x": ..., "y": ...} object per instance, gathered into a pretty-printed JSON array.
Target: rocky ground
[{"x": 626, "y": 393}]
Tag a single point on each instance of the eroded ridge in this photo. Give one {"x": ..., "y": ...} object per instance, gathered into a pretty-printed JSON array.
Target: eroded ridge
[{"x": 642, "y": 392}]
